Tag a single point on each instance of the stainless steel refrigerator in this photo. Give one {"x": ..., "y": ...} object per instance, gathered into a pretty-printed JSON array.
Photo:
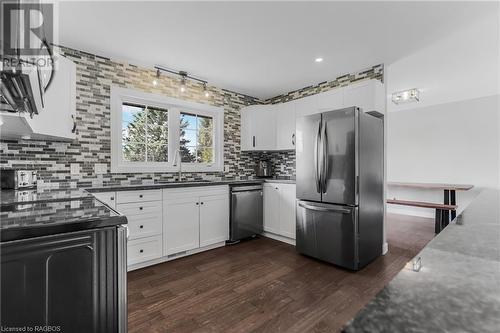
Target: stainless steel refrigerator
[{"x": 340, "y": 168}]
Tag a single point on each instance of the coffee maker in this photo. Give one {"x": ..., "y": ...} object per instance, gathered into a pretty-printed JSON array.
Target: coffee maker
[{"x": 263, "y": 169}]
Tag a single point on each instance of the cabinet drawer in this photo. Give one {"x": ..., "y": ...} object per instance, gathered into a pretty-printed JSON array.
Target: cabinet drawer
[
  {"x": 144, "y": 218},
  {"x": 138, "y": 196},
  {"x": 144, "y": 249}
]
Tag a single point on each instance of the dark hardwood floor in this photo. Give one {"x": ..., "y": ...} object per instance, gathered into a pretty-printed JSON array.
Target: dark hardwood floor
[{"x": 264, "y": 286}]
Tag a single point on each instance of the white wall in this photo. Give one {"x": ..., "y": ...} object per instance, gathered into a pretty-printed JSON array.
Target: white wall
[{"x": 452, "y": 134}]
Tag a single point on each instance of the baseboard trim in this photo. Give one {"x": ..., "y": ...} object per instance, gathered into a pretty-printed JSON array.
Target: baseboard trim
[
  {"x": 280, "y": 238},
  {"x": 165, "y": 259},
  {"x": 385, "y": 248}
]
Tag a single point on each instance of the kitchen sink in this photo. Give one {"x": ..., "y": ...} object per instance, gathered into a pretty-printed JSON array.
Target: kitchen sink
[{"x": 184, "y": 181}]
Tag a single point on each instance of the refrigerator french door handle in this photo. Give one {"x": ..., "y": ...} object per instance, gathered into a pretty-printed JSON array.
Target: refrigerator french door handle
[
  {"x": 324, "y": 209},
  {"x": 324, "y": 173},
  {"x": 317, "y": 173}
]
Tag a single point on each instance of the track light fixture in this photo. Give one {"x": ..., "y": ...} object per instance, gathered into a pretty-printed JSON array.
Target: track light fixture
[
  {"x": 155, "y": 81},
  {"x": 183, "y": 80},
  {"x": 184, "y": 76},
  {"x": 205, "y": 90}
]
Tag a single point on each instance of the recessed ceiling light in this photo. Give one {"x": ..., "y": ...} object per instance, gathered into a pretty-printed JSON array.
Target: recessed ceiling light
[{"x": 318, "y": 59}]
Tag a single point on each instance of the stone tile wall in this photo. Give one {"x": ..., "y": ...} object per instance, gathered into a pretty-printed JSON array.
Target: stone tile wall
[{"x": 95, "y": 76}]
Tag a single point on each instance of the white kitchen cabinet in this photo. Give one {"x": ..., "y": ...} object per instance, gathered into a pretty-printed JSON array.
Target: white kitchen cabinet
[
  {"x": 245, "y": 128},
  {"x": 143, "y": 250},
  {"x": 214, "y": 217},
  {"x": 109, "y": 198},
  {"x": 279, "y": 209},
  {"x": 264, "y": 128},
  {"x": 368, "y": 95},
  {"x": 285, "y": 126},
  {"x": 138, "y": 196},
  {"x": 144, "y": 219},
  {"x": 194, "y": 217},
  {"x": 287, "y": 210},
  {"x": 258, "y": 128},
  {"x": 57, "y": 119},
  {"x": 305, "y": 106},
  {"x": 181, "y": 231},
  {"x": 271, "y": 208},
  {"x": 272, "y": 127},
  {"x": 330, "y": 100}
]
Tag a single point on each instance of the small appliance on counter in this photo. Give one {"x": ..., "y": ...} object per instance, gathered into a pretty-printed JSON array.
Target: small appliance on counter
[
  {"x": 263, "y": 169},
  {"x": 17, "y": 179}
]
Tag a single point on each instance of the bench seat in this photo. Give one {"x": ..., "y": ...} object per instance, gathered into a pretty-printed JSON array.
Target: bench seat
[{"x": 440, "y": 222}]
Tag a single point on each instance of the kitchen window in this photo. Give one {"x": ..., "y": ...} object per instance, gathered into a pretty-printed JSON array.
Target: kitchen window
[
  {"x": 144, "y": 133},
  {"x": 147, "y": 131}
]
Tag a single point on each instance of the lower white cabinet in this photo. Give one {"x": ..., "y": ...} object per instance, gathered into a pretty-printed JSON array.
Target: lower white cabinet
[
  {"x": 181, "y": 225},
  {"x": 144, "y": 249},
  {"x": 279, "y": 209},
  {"x": 194, "y": 218},
  {"x": 271, "y": 208},
  {"x": 109, "y": 198},
  {"x": 144, "y": 219},
  {"x": 214, "y": 219}
]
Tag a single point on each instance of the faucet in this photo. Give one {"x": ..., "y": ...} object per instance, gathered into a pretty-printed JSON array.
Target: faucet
[{"x": 177, "y": 159}]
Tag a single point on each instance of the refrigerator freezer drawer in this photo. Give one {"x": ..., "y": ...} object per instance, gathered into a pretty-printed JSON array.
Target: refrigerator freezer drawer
[{"x": 328, "y": 232}]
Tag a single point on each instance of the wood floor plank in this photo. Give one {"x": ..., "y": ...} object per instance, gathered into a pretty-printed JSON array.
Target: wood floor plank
[{"x": 263, "y": 285}]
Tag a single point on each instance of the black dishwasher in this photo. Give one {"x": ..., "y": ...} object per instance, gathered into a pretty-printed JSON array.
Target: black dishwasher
[{"x": 246, "y": 218}]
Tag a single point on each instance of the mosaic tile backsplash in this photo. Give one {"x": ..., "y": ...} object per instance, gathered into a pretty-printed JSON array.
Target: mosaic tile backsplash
[{"x": 95, "y": 76}]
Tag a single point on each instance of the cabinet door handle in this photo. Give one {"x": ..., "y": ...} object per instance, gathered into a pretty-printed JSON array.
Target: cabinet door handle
[
  {"x": 140, "y": 208},
  {"x": 202, "y": 203},
  {"x": 141, "y": 226},
  {"x": 73, "y": 130},
  {"x": 197, "y": 203},
  {"x": 140, "y": 195},
  {"x": 293, "y": 139},
  {"x": 112, "y": 198},
  {"x": 141, "y": 250},
  {"x": 254, "y": 140}
]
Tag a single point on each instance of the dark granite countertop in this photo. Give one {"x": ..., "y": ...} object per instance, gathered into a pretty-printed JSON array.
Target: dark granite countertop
[
  {"x": 27, "y": 220},
  {"x": 32, "y": 213},
  {"x": 194, "y": 183},
  {"x": 458, "y": 286},
  {"x": 41, "y": 195}
]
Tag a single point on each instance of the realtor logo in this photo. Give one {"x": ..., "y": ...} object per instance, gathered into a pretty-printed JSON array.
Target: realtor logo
[{"x": 25, "y": 27}]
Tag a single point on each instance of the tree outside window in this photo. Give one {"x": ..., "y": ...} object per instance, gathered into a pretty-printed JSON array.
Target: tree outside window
[
  {"x": 196, "y": 138},
  {"x": 144, "y": 133}
]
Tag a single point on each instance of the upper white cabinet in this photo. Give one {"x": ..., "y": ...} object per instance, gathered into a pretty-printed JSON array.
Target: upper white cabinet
[
  {"x": 330, "y": 100},
  {"x": 264, "y": 128},
  {"x": 285, "y": 126},
  {"x": 258, "y": 128},
  {"x": 368, "y": 95},
  {"x": 305, "y": 105},
  {"x": 56, "y": 120},
  {"x": 272, "y": 127}
]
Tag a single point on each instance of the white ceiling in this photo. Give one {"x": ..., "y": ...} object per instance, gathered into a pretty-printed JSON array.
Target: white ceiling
[{"x": 261, "y": 48}]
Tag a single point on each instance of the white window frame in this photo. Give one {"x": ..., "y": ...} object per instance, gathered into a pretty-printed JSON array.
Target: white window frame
[{"x": 175, "y": 107}]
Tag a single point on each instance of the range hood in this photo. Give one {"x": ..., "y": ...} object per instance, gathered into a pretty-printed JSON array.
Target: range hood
[{"x": 21, "y": 89}]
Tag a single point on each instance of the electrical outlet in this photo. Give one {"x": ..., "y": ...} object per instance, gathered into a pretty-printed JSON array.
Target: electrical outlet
[
  {"x": 226, "y": 168},
  {"x": 75, "y": 168},
  {"x": 100, "y": 168}
]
